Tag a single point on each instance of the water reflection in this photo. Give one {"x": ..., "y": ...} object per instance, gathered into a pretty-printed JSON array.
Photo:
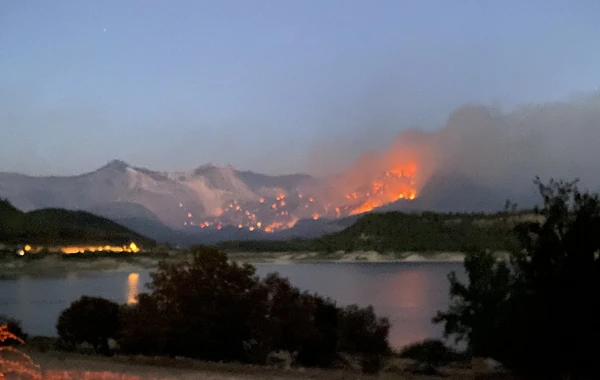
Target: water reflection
[
  {"x": 133, "y": 283},
  {"x": 409, "y": 294}
]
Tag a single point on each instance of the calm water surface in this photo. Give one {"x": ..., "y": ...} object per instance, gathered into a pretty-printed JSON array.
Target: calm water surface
[{"x": 409, "y": 294}]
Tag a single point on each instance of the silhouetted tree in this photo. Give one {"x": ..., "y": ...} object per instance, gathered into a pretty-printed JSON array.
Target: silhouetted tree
[
  {"x": 93, "y": 320},
  {"x": 473, "y": 315},
  {"x": 363, "y": 333},
  {"x": 204, "y": 308},
  {"x": 215, "y": 309},
  {"x": 545, "y": 319}
]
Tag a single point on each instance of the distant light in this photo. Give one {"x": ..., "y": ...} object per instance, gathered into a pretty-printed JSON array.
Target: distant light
[
  {"x": 21, "y": 252},
  {"x": 251, "y": 228},
  {"x": 261, "y": 200},
  {"x": 218, "y": 227},
  {"x": 282, "y": 203},
  {"x": 189, "y": 214},
  {"x": 27, "y": 248},
  {"x": 316, "y": 216},
  {"x": 134, "y": 248},
  {"x": 180, "y": 204},
  {"x": 259, "y": 224},
  {"x": 240, "y": 226}
]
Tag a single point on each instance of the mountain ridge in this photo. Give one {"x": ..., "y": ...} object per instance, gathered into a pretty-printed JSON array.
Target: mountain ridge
[{"x": 194, "y": 206}]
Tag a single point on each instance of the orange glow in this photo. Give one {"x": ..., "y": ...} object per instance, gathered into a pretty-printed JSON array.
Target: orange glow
[
  {"x": 315, "y": 216},
  {"x": 189, "y": 214},
  {"x": 131, "y": 248},
  {"x": 282, "y": 203},
  {"x": 274, "y": 206},
  {"x": 261, "y": 200},
  {"x": 132, "y": 288},
  {"x": 219, "y": 227},
  {"x": 396, "y": 183}
]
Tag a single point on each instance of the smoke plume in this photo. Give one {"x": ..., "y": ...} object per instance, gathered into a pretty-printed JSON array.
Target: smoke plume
[{"x": 500, "y": 150}]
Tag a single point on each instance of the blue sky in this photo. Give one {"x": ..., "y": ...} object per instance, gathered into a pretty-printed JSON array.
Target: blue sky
[{"x": 268, "y": 85}]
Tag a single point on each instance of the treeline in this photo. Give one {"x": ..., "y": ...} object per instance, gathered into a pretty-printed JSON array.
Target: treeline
[
  {"x": 213, "y": 309},
  {"x": 59, "y": 227},
  {"x": 401, "y": 232},
  {"x": 539, "y": 313}
]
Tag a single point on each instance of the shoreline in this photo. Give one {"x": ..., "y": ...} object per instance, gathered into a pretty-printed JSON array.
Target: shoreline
[{"x": 49, "y": 266}]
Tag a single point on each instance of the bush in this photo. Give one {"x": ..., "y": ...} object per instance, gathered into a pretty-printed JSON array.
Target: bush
[
  {"x": 91, "y": 320},
  {"x": 213, "y": 309},
  {"x": 432, "y": 352}
]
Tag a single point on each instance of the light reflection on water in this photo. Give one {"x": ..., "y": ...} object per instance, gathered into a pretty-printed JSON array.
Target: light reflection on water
[
  {"x": 409, "y": 294},
  {"x": 133, "y": 287}
]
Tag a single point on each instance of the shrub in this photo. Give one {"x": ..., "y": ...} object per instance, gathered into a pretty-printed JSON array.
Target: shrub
[
  {"x": 91, "y": 320},
  {"x": 430, "y": 351}
]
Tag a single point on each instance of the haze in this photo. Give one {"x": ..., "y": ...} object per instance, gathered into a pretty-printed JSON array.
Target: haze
[{"x": 280, "y": 87}]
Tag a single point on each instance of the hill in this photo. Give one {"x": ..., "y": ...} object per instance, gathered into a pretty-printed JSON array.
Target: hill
[
  {"x": 58, "y": 226},
  {"x": 401, "y": 232}
]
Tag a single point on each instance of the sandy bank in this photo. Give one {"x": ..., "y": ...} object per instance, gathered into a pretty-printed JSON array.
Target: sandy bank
[
  {"x": 52, "y": 265},
  {"x": 346, "y": 257}
]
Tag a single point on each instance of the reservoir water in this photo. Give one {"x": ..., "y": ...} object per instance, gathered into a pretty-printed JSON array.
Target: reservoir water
[{"x": 409, "y": 294}]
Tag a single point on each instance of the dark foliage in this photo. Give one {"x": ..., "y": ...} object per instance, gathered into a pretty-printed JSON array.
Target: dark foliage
[
  {"x": 397, "y": 232},
  {"x": 92, "y": 320},
  {"x": 213, "y": 309},
  {"x": 431, "y": 352},
  {"x": 58, "y": 226},
  {"x": 541, "y": 317}
]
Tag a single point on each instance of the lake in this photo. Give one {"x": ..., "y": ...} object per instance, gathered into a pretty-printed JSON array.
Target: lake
[{"x": 409, "y": 294}]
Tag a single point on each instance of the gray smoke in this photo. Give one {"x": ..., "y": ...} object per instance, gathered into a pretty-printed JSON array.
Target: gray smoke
[{"x": 504, "y": 150}]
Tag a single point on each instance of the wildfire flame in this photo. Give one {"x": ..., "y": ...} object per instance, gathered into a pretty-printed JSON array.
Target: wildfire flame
[{"x": 372, "y": 182}]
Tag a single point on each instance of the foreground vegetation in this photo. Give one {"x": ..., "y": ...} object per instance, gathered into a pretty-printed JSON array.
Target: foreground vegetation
[
  {"x": 404, "y": 232},
  {"x": 213, "y": 309},
  {"x": 539, "y": 313}
]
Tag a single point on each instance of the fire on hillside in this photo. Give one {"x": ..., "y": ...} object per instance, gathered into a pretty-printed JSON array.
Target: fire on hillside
[{"x": 348, "y": 194}]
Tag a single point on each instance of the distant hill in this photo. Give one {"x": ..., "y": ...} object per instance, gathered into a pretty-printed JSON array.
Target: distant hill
[
  {"x": 58, "y": 226},
  {"x": 401, "y": 232}
]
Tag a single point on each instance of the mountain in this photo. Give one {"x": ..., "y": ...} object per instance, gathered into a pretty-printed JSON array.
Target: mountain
[
  {"x": 213, "y": 203},
  {"x": 170, "y": 206},
  {"x": 59, "y": 226}
]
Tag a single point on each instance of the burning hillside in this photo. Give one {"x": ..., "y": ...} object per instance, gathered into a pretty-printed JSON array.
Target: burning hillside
[{"x": 360, "y": 189}]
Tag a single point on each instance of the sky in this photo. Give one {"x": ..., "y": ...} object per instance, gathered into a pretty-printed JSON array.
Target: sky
[{"x": 270, "y": 86}]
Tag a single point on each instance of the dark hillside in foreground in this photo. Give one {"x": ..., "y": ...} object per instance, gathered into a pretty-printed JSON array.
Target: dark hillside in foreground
[
  {"x": 401, "y": 232},
  {"x": 58, "y": 226}
]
